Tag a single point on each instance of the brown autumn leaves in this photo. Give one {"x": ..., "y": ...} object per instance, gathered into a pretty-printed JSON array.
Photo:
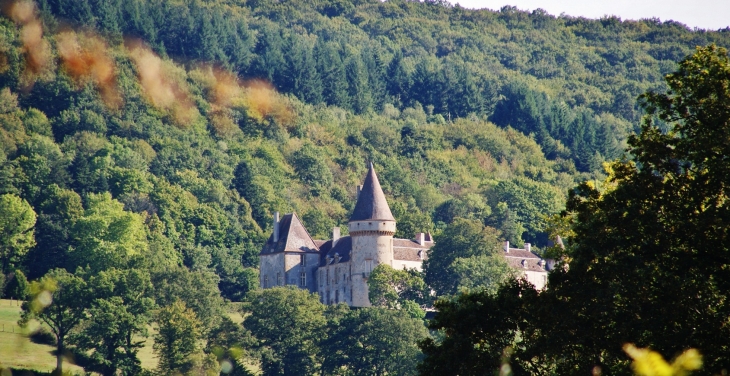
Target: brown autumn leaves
[{"x": 88, "y": 59}]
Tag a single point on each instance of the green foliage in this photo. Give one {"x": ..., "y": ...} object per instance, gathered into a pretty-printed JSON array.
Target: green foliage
[
  {"x": 650, "y": 235},
  {"x": 652, "y": 226},
  {"x": 176, "y": 342},
  {"x": 198, "y": 290},
  {"x": 291, "y": 348},
  {"x": 58, "y": 300},
  {"x": 408, "y": 85},
  {"x": 16, "y": 286},
  {"x": 17, "y": 221},
  {"x": 107, "y": 236},
  {"x": 374, "y": 341},
  {"x": 398, "y": 289},
  {"x": 463, "y": 246},
  {"x": 481, "y": 272},
  {"x": 117, "y": 317},
  {"x": 478, "y": 328}
]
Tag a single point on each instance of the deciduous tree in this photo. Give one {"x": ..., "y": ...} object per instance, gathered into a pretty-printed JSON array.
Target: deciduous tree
[
  {"x": 374, "y": 342},
  {"x": 460, "y": 240},
  {"x": 17, "y": 221},
  {"x": 289, "y": 324},
  {"x": 59, "y": 300}
]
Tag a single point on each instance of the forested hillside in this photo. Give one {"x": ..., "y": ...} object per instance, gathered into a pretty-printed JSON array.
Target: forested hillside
[{"x": 162, "y": 135}]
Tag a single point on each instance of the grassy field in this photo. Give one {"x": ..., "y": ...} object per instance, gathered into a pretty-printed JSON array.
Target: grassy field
[{"x": 17, "y": 351}]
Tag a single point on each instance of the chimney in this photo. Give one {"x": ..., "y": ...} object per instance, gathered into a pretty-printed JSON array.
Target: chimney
[
  {"x": 335, "y": 235},
  {"x": 359, "y": 188},
  {"x": 506, "y": 246},
  {"x": 527, "y": 247},
  {"x": 421, "y": 238},
  {"x": 276, "y": 227}
]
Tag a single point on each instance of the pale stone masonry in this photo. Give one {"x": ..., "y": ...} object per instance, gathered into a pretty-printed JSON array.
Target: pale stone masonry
[{"x": 338, "y": 269}]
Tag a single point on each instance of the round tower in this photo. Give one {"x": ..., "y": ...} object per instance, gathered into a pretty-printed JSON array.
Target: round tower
[{"x": 371, "y": 227}]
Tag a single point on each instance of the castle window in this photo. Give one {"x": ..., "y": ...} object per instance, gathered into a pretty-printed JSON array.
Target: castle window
[
  {"x": 328, "y": 279},
  {"x": 279, "y": 281},
  {"x": 303, "y": 279},
  {"x": 337, "y": 296},
  {"x": 321, "y": 278},
  {"x": 303, "y": 260},
  {"x": 266, "y": 281},
  {"x": 337, "y": 279}
]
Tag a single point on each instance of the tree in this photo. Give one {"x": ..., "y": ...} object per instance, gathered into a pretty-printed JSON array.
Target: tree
[
  {"x": 56, "y": 216},
  {"x": 176, "y": 341},
  {"x": 398, "y": 289},
  {"x": 461, "y": 239},
  {"x": 478, "y": 327},
  {"x": 17, "y": 286},
  {"x": 117, "y": 318},
  {"x": 655, "y": 234},
  {"x": 481, "y": 272},
  {"x": 197, "y": 289},
  {"x": 106, "y": 235},
  {"x": 59, "y": 300},
  {"x": 291, "y": 348},
  {"x": 374, "y": 341},
  {"x": 17, "y": 221},
  {"x": 231, "y": 343}
]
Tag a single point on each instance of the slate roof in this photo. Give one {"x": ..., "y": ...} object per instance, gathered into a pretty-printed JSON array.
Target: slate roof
[
  {"x": 532, "y": 264},
  {"x": 521, "y": 253},
  {"x": 516, "y": 256},
  {"x": 341, "y": 248},
  {"x": 293, "y": 237},
  {"x": 371, "y": 203},
  {"x": 407, "y": 250}
]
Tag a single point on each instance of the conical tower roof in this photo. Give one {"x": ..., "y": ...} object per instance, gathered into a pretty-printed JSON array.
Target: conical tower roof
[{"x": 371, "y": 203}]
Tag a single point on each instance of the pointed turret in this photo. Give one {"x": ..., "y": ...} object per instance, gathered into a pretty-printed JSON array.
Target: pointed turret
[
  {"x": 371, "y": 227},
  {"x": 371, "y": 203}
]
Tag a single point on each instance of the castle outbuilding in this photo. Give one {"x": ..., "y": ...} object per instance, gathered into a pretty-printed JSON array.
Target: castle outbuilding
[{"x": 338, "y": 269}]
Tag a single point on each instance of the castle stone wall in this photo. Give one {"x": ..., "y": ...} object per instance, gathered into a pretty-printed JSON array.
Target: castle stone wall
[{"x": 372, "y": 245}]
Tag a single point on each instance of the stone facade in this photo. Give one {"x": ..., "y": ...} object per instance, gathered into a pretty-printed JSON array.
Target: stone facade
[
  {"x": 338, "y": 269},
  {"x": 532, "y": 267}
]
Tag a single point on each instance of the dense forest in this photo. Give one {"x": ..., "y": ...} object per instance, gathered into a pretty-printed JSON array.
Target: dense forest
[{"x": 147, "y": 143}]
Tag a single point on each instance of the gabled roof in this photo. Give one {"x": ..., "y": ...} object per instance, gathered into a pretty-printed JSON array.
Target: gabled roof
[
  {"x": 293, "y": 237},
  {"x": 371, "y": 203}
]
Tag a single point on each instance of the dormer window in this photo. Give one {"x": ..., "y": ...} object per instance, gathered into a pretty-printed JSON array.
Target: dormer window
[
  {"x": 420, "y": 254},
  {"x": 524, "y": 264},
  {"x": 337, "y": 257}
]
